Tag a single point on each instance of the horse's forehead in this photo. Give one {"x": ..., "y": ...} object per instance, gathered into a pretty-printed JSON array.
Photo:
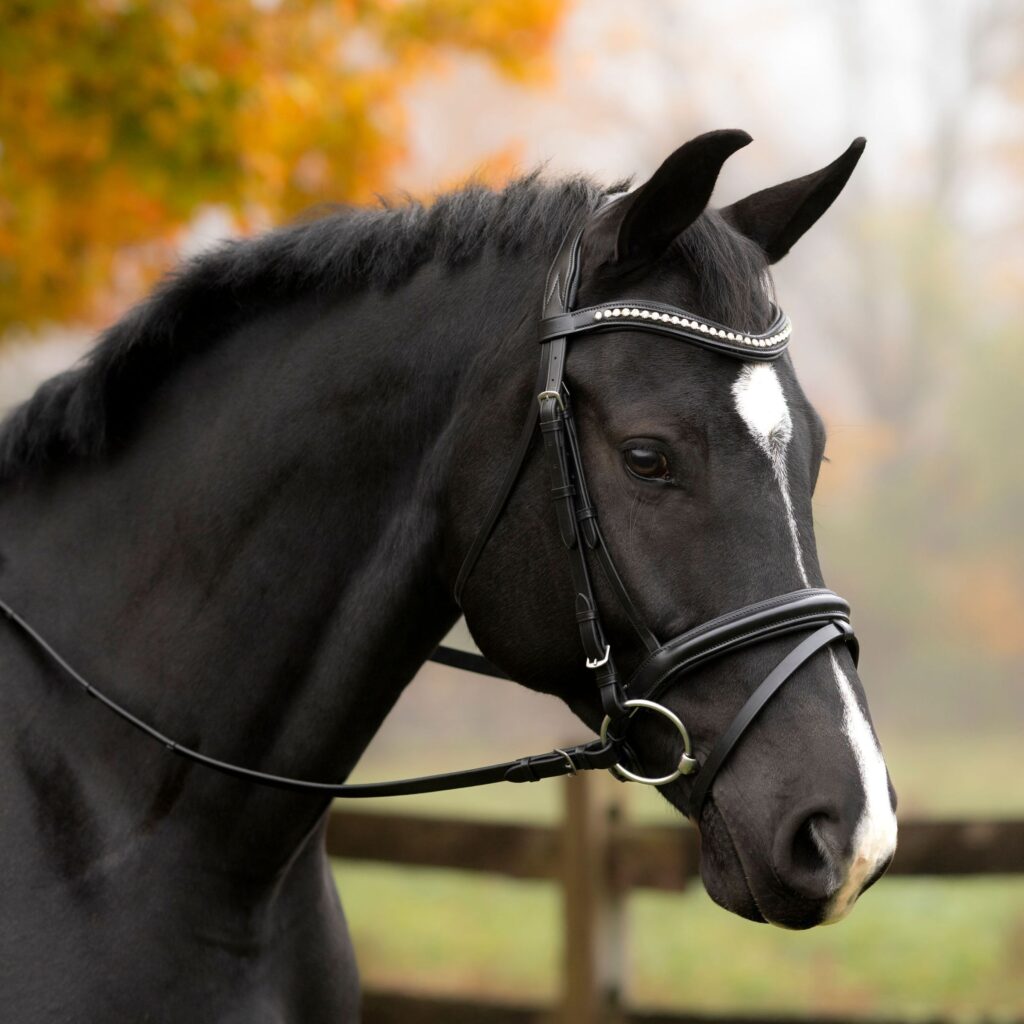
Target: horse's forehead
[
  {"x": 642, "y": 376},
  {"x": 673, "y": 375},
  {"x": 761, "y": 403}
]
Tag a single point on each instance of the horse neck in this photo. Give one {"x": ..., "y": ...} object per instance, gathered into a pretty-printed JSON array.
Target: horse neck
[{"x": 258, "y": 572}]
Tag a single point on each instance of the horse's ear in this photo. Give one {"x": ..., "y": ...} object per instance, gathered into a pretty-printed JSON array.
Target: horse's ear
[
  {"x": 656, "y": 213},
  {"x": 776, "y": 217}
]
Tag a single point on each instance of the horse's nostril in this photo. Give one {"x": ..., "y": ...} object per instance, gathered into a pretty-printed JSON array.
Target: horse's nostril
[{"x": 810, "y": 851}]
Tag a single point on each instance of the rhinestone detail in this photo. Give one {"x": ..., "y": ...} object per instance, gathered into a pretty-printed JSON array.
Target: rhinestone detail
[{"x": 695, "y": 325}]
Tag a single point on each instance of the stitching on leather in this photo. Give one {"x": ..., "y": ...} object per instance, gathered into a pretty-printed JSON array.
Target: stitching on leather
[
  {"x": 675, "y": 669},
  {"x": 768, "y": 628},
  {"x": 550, "y": 288},
  {"x": 574, "y": 258},
  {"x": 740, "y": 613}
]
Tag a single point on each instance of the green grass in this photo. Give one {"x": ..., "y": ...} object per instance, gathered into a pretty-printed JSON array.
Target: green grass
[
  {"x": 973, "y": 775},
  {"x": 912, "y": 948}
]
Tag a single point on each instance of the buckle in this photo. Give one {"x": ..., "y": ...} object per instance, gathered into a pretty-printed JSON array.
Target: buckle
[
  {"x": 568, "y": 759},
  {"x": 598, "y": 662}
]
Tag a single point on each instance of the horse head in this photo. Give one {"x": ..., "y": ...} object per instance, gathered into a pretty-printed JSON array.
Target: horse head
[{"x": 699, "y": 461}]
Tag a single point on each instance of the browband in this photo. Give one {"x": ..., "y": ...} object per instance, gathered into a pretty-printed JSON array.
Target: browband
[{"x": 644, "y": 315}]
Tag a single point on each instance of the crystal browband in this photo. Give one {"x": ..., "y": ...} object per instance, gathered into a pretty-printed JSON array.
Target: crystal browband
[
  {"x": 675, "y": 322},
  {"x": 757, "y": 340}
]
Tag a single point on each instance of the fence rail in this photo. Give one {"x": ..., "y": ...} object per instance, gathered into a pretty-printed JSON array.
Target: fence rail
[
  {"x": 597, "y": 856},
  {"x": 649, "y": 856},
  {"x": 405, "y": 1008}
]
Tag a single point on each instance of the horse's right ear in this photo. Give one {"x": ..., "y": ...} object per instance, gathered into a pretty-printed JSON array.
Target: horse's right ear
[
  {"x": 649, "y": 219},
  {"x": 776, "y": 217}
]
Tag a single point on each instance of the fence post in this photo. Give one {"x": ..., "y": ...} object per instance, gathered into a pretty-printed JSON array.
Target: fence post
[{"x": 594, "y": 902}]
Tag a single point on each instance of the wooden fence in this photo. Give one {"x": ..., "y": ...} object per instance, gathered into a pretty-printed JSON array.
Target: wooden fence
[{"x": 596, "y": 855}]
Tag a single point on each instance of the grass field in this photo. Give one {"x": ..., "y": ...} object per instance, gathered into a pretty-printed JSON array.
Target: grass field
[{"x": 913, "y": 947}]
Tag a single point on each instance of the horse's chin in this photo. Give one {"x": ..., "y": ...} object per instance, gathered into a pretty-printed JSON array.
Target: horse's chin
[{"x": 722, "y": 873}]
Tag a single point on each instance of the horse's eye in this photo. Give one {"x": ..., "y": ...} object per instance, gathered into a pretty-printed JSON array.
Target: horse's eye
[{"x": 647, "y": 463}]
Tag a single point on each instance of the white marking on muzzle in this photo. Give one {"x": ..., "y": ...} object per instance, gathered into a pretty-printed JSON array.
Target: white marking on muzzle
[
  {"x": 761, "y": 403},
  {"x": 874, "y": 839}
]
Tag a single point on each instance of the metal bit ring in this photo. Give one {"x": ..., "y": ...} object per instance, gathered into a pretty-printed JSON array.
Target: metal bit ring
[{"x": 687, "y": 763}]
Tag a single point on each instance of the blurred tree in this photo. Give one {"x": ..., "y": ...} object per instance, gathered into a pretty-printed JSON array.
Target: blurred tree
[
  {"x": 926, "y": 536},
  {"x": 119, "y": 119}
]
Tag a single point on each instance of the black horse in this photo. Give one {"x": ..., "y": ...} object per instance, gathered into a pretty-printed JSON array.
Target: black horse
[{"x": 244, "y": 513}]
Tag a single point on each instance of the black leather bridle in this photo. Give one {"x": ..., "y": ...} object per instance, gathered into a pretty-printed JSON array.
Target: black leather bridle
[
  {"x": 820, "y": 614},
  {"x": 800, "y": 611}
]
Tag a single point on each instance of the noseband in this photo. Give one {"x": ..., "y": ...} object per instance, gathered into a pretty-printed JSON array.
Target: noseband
[{"x": 822, "y": 617}]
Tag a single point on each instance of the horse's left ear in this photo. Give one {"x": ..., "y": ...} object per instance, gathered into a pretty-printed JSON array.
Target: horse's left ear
[
  {"x": 776, "y": 217},
  {"x": 647, "y": 220}
]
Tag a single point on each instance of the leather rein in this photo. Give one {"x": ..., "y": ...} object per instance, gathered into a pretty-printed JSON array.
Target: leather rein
[{"x": 821, "y": 615}]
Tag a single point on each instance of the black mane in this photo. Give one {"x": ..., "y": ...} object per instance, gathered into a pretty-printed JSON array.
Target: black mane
[{"x": 75, "y": 414}]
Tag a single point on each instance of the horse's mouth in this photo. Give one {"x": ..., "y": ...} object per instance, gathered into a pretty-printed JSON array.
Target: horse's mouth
[{"x": 752, "y": 890}]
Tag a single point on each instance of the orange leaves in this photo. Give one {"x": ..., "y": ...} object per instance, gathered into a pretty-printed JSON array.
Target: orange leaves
[
  {"x": 515, "y": 33},
  {"x": 120, "y": 118}
]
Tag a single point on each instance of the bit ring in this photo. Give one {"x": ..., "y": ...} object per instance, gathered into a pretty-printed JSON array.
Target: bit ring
[{"x": 687, "y": 763}]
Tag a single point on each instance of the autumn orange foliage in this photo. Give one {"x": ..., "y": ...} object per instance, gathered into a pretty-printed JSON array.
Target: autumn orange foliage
[{"x": 119, "y": 119}]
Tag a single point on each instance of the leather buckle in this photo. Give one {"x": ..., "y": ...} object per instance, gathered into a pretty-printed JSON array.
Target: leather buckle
[
  {"x": 568, "y": 760},
  {"x": 599, "y": 662}
]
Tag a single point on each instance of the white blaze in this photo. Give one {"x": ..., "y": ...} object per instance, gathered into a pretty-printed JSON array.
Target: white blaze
[
  {"x": 761, "y": 403},
  {"x": 874, "y": 839},
  {"x": 762, "y": 406}
]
